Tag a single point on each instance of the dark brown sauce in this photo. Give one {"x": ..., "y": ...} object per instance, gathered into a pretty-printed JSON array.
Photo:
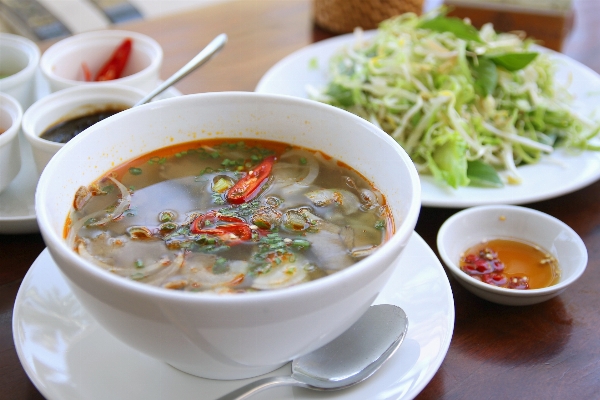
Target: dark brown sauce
[{"x": 64, "y": 131}]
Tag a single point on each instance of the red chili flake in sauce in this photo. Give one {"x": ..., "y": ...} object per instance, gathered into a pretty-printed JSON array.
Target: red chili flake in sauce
[
  {"x": 510, "y": 264},
  {"x": 487, "y": 267}
]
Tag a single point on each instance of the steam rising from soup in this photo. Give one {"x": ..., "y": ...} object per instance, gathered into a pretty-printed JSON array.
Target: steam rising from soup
[{"x": 228, "y": 216}]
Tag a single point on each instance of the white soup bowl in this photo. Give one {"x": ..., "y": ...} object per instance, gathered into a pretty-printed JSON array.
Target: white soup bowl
[{"x": 232, "y": 336}]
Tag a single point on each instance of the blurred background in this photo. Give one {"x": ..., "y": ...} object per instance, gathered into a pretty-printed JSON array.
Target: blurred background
[{"x": 560, "y": 24}]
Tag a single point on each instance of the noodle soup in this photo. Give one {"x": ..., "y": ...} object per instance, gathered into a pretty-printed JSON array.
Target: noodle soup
[{"x": 228, "y": 216}]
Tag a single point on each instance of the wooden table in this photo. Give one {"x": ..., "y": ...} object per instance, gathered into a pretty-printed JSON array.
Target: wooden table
[{"x": 546, "y": 351}]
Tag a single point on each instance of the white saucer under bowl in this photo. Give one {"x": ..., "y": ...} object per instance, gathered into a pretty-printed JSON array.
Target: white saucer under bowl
[{"x": 67, "y": 355}]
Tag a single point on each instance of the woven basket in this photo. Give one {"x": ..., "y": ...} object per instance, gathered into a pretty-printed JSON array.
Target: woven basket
[{"x": 342, "y": 16}]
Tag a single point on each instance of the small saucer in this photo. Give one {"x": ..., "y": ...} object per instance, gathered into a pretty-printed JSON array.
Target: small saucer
[{"x": 68, "y": 355}]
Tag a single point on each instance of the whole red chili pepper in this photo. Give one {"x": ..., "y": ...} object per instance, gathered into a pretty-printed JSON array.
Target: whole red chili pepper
[
  {"x": 115, "y": 65},
  {"x": 248, "y": 187}
]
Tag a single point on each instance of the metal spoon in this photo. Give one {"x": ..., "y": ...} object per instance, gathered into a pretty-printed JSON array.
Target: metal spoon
[
  {"x": 351, "y": 358},
  {"x": 205, "y": 54}
]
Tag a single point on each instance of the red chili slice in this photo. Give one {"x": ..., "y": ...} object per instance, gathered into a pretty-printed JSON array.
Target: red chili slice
[
  {"x": 236, "y": 226},
  {"x": 241, "y": 231},
  {"x": 248, "y": 187},
  {"x": 115, "y": 65},
  {"x": 87, "y": 74},
  {"x": 199, "y": 224}
]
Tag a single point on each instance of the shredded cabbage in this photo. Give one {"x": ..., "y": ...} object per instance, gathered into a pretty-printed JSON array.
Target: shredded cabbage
[{"x": 463, "y": 103}]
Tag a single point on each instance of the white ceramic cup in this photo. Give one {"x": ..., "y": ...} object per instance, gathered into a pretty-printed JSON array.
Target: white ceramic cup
[
  {"x": 19, "y": 60},
  {"x": 10, "y": 125},
  {"x": 242, "y": 335},
  {"x": 61, "y": 63},
  {"x": 66, "y": 104}
]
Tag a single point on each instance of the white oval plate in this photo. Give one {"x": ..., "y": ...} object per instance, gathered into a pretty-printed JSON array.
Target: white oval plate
[
  {"x": 67, "y": 355},
  {"x": 17, "y": 202},
  {"x": 554, "y": 176}
]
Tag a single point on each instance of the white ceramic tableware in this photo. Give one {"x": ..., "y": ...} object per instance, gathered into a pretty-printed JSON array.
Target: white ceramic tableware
[
  {"x": 10, "y": 125},
  {"x": 563, "y": 172},
  {"x": 19, "y": 60},
  {"x": 67, "y": 104},
  {"x": 473, "y": 225},
  {"x": 61, "y": 63},
  {"x": 237, "y": 336}
]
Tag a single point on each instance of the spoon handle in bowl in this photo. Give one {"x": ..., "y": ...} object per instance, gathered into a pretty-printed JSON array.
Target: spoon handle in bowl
[{"x": 262, "y": 384}]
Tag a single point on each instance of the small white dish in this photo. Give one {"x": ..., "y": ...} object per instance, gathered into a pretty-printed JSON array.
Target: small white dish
[
  {"x": 561, "y": 173},
  {"x": 67, "y": 355},
  {"x": 67, "y": 104},
  {"x": 61, "y": 63},
  {"x": 474, "y": 225},
  {"x": 11, "y": 114},
  {"x": 19, "y": 61}
]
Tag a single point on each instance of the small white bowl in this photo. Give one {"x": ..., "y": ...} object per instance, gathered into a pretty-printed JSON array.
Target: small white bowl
[
  {"x": 10, "y": 125},
  {"x": 67, "y": 104},
  {"x": 237, "y": 336},
  {"x": 19, "y": 61},
  {"x": 61, "y": 63},
  {"x": 473, "y": 225}
]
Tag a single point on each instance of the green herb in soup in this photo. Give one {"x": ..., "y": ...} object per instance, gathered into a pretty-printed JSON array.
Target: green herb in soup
[
  {"x": 64, "y": 131},
  {"x": 228, "y": 217}
]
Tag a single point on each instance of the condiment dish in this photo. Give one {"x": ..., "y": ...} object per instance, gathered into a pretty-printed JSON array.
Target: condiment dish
[
  {"x": 19, "y": 60},
  {"x": 67, "y": 104},
  {"x": 477, "y": 224},
  {"x": 62, "y": 64},
  {"x": 10, "y": 125},
  {"x": 238, "y": 335}
]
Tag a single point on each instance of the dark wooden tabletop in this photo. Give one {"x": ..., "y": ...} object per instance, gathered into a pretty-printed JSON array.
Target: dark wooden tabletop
[{"x": 545, "y": 351}]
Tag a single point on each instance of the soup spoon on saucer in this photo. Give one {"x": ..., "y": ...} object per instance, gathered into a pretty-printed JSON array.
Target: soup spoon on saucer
[
  {"x": 373, "y": 339},
  {"x": 205, "y": 54}
]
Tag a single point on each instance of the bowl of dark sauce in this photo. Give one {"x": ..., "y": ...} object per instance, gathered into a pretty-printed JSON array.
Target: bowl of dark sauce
[
  {"x": 67, "y": 129},
  {"x": 57, "y": 118}
]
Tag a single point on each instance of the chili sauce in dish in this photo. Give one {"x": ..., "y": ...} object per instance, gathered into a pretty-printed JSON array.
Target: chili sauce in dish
[
  {"x": 64, "y": 131},
  {"x": 227, "y": 216},
  {"x": 511, "y": 264}
]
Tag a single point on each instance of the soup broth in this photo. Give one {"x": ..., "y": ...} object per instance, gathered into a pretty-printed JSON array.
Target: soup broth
[{"x": 228, "y": 217}]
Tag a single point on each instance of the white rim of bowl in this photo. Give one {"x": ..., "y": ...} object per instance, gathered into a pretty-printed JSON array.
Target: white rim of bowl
[
  {"x": 46, "y": 60},
  {"x": 403, "y": 233},
  {"x": 451, "y": 264},
  {"x": 33, "y": 53}
]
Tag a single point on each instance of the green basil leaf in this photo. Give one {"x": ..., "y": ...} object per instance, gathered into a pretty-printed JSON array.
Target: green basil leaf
[
  {"x": 457, "y": 26},
  {"x": 482, "y": 174},
  {"x": 514, "y": 61},
  {"x": 341, "y": 95},
  {"x": 486, "y": 76}
]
